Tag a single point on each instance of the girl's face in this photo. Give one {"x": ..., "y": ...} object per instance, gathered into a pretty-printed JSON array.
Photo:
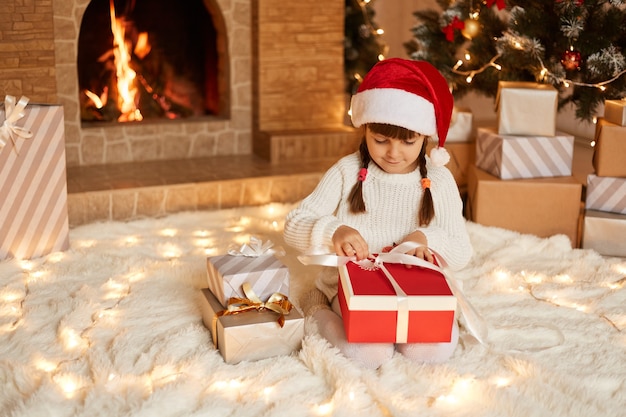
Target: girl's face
[{"x": 395, "y": 156}]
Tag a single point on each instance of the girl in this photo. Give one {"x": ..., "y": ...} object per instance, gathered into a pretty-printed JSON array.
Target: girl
[{"x": 386, "y": 193}]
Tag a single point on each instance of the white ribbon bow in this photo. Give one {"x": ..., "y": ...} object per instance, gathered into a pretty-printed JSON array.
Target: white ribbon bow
[
  {"x": 13, "y": 111},
  {"x": 256, "y": 248},
  {"x": 474, "y": 322}
]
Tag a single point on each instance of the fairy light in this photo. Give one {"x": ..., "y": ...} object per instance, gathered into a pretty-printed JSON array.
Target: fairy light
[
  {"x": 501, "y": 382},
  {"x": 325, "y": 409},
  {"x": 69, "y": 384},
  {"x": 170, "y": 250},
  {"x": 471, "y": 73},
  {"x": 131, "y": 240},
  {"x": 169, "y": 232}
]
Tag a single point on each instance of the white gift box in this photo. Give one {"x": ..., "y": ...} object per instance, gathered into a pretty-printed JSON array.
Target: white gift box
[
  {"x": 606, "y": 194},
  {"x": 251, "y": 335},
  {"x": 512, "y": 156},
  {"x": 526, "y": 108},
  {"x": 604, "y": 232},
  {"x": 461, "y": 127},
  {"x": 227, "y": 273},
  {"x": 615, "y": 111}
]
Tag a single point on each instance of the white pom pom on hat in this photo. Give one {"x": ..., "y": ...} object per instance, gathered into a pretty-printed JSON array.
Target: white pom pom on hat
[{"x": 409, "y": 94}]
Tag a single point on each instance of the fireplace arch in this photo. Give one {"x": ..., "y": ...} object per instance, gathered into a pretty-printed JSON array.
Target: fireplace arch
[{"x": 171, "y": 64}]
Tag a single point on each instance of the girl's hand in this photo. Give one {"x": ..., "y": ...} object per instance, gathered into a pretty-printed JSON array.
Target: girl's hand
[
  {"x": 421, "y": 251},
  {"x": 349, "y": 242}
]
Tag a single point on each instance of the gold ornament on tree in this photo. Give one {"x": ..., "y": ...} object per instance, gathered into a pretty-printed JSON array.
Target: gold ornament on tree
[{"x": 471, "y": 29}]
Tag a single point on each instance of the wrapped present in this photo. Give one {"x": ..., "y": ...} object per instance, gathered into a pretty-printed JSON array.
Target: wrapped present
[
  {"x": 462, "y": 155},
  {"x": 256, "y": 263},
  {"x": 398, "y": 298},
  {"x": 606, "y": 194},
  {"x": 609, "y": 156},
  {"x": 604, "y": 232},
  {"x": 516, "y": 156},
  {"x": 461, "y": 127},
  {"x": 615, "y": 112},
  {"x": 252, "y": 333},
  {"x": 541, "y": 206},
  {"x": 33, "y": 190},
  {"x": 395, "y": 304},
  {"x": 526, "y": 108}
]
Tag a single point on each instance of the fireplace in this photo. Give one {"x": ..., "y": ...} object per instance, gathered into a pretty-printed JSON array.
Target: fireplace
[
  {"x": 147, "y": 60},
  {"x": 273, "y": 82}
]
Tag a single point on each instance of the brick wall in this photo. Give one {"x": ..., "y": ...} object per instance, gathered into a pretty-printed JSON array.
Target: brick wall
[
  {"x": 27, "y": 60},
  {"x": 300, "y": 59}
]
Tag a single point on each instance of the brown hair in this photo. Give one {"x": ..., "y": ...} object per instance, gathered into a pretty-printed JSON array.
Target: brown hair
[{"x": 357, "y": 205}]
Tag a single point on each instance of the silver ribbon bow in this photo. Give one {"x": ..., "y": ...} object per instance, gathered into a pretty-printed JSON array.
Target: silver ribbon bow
[
  {"x": 256, "y": 248},
  {"x": 9, "y": 131}
]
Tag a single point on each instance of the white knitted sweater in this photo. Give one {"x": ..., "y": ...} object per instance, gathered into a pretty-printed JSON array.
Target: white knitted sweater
[{"x": 392, "y": 203}]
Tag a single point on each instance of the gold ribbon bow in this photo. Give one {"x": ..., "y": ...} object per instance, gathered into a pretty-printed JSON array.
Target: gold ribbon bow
[
  {"x": 277, "y": 302},
  {"x": 13, "y": 112}
]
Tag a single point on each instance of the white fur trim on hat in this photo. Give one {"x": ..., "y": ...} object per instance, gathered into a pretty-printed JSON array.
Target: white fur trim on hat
[
  {"x": 439, "y": 156},
  {"x": 394, "y": 107}
]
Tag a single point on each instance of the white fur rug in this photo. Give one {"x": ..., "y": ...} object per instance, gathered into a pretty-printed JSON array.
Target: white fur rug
[{"x": 112, "y": 328}]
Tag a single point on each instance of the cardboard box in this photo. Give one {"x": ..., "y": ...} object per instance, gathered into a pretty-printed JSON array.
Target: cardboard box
[
  {"x": 540, "y": 206},
  {"x": 33, "y": 186},
  {"x": 373, "y": 312},
  {"x": 515, "y": 156},
  {"x": 251, "y": 335},
  {"x": 526, "y": 108},
  {"x": 266, "y": 274},
  {"x": 615, "y": 111},
  {"x": 462, "y": 156},
  {"x": 609, "y": 157},
  {"x": 606, "y": 194},
  {"x": 604, "y": 233}
]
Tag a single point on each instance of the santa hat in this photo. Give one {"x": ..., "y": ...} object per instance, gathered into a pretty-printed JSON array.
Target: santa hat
[{"x": 409, "y": 94}]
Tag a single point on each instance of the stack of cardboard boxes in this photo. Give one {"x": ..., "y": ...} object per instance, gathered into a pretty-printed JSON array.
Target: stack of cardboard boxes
[
  {"x": 604, "y": 226},
  {"x": 523, "y": 179}
]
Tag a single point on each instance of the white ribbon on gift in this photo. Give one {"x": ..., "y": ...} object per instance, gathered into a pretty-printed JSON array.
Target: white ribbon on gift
[
  {"x": 13, "y": 112},
  {"x": 256, "y": 248},
  {"x": 474, "y": 322}
]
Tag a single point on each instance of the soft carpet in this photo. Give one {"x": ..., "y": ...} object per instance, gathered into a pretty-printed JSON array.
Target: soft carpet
[{"x": 112, "y": 327}]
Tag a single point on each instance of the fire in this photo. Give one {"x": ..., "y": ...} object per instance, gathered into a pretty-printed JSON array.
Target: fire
[
  {"x": 125, "y": 76},
  {"x": 126, "y": 89}
]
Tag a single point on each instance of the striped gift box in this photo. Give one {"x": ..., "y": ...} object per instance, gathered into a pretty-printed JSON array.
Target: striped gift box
[
  {"x": 606, "y": 194},
  {"x": 266, "y": 274},
  {"x": 33, "y": 190},
  {"x": 511, "y": 156}
]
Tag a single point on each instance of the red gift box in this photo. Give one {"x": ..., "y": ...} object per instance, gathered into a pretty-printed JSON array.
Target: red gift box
[{"x": 374, "y": 312}]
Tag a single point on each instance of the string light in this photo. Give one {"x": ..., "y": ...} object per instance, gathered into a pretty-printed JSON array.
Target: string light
[{"x": 471, "y": 73}]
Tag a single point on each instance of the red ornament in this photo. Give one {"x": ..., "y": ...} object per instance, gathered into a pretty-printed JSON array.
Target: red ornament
[
  {"x": 500, "y": 3},
  {"x": 571, "y": 60},
  {"x": 449, "y": 30}
]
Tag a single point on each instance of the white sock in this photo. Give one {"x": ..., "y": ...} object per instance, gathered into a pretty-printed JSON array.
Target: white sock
[
  {"x": 370, "y": 355},
  {"x": 431, "y": 352}
]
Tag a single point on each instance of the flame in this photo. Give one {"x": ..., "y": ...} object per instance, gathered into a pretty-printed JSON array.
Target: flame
[
  {"x": 98, "y": 101},
  {"x": 125, "y": 74}
]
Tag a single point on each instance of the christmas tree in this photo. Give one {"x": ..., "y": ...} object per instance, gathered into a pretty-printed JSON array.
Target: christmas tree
[
  {"x": 576, "y": 45},
  {"x": 363, "y": 46}
]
